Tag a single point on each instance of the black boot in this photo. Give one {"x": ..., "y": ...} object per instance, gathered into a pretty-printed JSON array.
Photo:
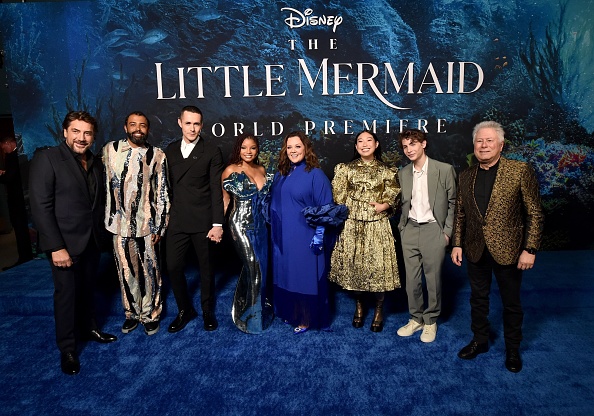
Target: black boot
[
  {"x": 358, "y": 318},
  {"x": 378, "y": 317}
]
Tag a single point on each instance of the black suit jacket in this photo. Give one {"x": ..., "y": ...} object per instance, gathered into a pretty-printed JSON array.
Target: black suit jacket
[
  {"x": 195, "y": 184},
  {"x": 65, "y": 214}
]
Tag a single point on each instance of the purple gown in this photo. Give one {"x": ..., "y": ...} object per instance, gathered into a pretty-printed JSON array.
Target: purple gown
[{"x": 299, "y": 276}]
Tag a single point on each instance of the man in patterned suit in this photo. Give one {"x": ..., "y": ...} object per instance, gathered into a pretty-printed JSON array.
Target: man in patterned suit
[
  {"x": 498, "y": 225},
  {"x": 136, "y": 213}
]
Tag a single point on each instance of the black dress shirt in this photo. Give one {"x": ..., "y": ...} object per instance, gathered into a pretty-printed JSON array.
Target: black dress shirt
[{"x": 483, "y": 186}]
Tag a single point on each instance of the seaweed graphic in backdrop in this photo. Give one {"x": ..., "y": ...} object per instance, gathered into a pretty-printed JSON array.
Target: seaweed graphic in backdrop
[{"x": 559, "y": 69}]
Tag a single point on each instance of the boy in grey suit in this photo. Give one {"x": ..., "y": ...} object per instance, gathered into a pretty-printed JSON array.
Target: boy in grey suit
[{"x": 428, "y": 201}]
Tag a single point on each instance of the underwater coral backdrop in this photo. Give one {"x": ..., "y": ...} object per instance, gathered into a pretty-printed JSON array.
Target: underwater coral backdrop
[{"x": 526, "y": 64}]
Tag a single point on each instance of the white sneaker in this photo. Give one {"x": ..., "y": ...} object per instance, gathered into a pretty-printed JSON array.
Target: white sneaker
[
  {"x": 429, "y": 333},
  {"x": 410, "y": 328}
]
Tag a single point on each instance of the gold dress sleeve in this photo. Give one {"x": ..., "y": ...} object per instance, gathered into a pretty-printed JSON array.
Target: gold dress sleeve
[{"x": 340, "y": 183}]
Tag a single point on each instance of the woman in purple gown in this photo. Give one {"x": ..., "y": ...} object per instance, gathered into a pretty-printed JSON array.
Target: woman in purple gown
[{"x": 300, "y": 251}]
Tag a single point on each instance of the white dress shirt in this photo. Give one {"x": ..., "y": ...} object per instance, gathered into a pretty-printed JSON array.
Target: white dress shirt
[
  {"x": 420, "y": 210},
  {"x": 186, "y": 148}
]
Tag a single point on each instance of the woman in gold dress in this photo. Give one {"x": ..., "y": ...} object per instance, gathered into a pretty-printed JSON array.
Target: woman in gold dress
[{"x": 364, "y": 258}]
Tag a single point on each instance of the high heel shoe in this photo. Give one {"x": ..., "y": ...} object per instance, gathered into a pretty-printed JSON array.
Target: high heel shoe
[
  {"x": 378, "y": 317},
  {"x": 300, "y": 330},
  {"x": 358, "y": 318}
]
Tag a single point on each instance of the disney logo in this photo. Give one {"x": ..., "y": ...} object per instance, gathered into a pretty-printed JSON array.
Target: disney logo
[{"x": 297, "y": 19}]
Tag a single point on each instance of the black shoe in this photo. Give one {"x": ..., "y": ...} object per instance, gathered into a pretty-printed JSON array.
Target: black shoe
[
  {"x": 129, "y": 325},
  {"x": 151, "y": 328},
  {"x": 513, "y": 361},
  {"x": 101, "y": 337},
  {"x": 358, "y": 317},
  {"x": 182, "y": 319},
  {"x": 210, "y": 321},
  {"x": 69, "y": 363},
  {"x": 377, "y": 325},
  {"x": 473, "y": 349}
]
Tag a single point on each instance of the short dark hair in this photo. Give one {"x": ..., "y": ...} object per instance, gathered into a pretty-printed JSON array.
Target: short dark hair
[
  {"x": 138, "y": 113},
  {"x": 82, "y": 116},
  {"x": 414, "y": 135},
  {"x": 191, "y": 109}
]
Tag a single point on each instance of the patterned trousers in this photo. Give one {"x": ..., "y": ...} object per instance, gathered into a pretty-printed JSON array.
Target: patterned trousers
[{"x": 140, "y": 277}]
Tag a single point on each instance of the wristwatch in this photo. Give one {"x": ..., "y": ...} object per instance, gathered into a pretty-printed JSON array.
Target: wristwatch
[{"x": 530, "y": 250}]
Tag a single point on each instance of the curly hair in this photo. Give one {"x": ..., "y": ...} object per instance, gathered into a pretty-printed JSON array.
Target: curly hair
[
  {"x": 235, "y": 157},
  {"x": 414, "y": 135},
  {"x": 311, "y": 160}
]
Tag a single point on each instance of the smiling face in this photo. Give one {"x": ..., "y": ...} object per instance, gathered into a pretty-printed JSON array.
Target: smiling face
[
  {"x": 295, "y": 149},
  {"x": 249, "y": 151},
  {"x": 136, "y": 129},
  {"x": 366, "y": 145},
  {"x": 79, "y": 136},
  {"x": 414, "y": 149},
  {"x": 487, "y": 147},
  {"x": 191, "y": 125}
]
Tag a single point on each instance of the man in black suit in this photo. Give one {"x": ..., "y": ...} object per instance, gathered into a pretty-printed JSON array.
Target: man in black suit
[
  {"x": 195, "y": 168},
  {"x": 67, "y": 203}
]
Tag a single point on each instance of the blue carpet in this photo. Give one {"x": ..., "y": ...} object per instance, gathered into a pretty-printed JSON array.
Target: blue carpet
[{"x": 345, "y": 372}]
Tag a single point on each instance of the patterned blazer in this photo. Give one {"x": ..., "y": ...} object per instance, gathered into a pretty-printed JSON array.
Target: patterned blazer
[
  {"x": 514, "y": 219},
  {"x": 137, "y": 190}
]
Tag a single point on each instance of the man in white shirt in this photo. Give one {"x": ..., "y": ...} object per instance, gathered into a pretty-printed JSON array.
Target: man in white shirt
[{"x": 428, "y": 201}]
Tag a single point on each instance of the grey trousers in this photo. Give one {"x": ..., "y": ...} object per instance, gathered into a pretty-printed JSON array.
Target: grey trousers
[{"x": 423, "y": 247}]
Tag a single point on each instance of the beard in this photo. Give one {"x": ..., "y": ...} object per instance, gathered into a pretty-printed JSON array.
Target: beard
[{"x": 138, "y": 141}]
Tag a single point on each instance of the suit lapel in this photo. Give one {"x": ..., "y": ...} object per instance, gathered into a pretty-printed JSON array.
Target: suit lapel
[
  {"x": 432, "y": 180},
  {"x": 407, "y": 180},
  {"x": 471, "y": 185},
  {"x": 182, "y": 165},
  {"x": 72, "y": 165},
  {"x": 197, "y": 152},
  {"x": 496, "y": 185}
]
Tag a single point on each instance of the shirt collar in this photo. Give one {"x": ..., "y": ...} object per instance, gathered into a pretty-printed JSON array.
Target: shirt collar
[
  {"x": 185, "y": 145},
  {"x": 424, "y": 168}
]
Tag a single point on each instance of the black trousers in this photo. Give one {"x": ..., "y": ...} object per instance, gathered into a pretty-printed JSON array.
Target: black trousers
[
  {"x": 509, "y": 280},
  {"x": 177, "y": 244},
  {"x": 73, "y": 297}
]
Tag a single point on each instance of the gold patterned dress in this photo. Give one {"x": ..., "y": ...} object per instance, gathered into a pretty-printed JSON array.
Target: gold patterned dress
[{"x": 364, "y": 258}]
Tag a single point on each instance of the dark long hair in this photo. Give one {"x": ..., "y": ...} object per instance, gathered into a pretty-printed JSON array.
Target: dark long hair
[
  {"x": 235, "y": 157},
  {"x": 377, "y": 154},
  {"x": 311, "y": 160}
]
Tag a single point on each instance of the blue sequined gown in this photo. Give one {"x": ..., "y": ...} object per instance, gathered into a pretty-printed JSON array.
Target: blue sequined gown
[{"x": 252, "y": 312}]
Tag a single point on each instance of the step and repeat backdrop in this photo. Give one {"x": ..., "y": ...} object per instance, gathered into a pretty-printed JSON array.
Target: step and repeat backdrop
[{"x": 331, "y": 69}]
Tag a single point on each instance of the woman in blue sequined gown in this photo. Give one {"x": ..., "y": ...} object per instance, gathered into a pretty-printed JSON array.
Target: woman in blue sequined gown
[{"x": 245, "y": 187}]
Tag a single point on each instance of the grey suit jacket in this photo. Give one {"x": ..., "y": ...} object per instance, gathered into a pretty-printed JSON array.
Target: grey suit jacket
[{"x": 441, "y": 184}]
